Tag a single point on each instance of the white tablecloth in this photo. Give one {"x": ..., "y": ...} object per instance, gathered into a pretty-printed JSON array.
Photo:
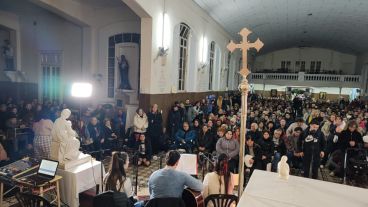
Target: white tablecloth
[
  {"x": 79, "y": 179},
  {"x": 266, "y": 189}
]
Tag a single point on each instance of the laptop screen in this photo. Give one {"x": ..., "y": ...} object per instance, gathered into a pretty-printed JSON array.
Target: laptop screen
[{"x": 48, "y": 167}]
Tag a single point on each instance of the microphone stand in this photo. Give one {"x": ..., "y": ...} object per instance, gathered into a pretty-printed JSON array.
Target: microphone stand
[
  {"x": 207, "y": 160},
  {"x": 135, "y": 162},
  {"x": 100, "y": 152}
]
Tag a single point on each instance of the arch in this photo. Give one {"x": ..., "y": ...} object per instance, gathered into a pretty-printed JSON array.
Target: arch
[
  {"x": 11, "y": 21},
  {"x": 211, "y": 65},
  {"x": 184, "y": 34}
]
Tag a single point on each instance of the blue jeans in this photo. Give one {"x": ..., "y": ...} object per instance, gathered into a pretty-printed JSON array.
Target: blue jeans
[
  {"x": 275, "y": 161},
  {"x": 139, "y": 204}
]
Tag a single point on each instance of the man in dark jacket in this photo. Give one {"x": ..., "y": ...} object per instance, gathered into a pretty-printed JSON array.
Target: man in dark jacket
[
  {"x": 267, "y": 148},
  {"x": 312, "y": 145},
  {"x": 155, "y": 129},
  {"x": 254, "y": 133},
  {"x": 174, "y": 120},
  {"x": 94, "y": 132},
  {"x": 255, "y": 151}
]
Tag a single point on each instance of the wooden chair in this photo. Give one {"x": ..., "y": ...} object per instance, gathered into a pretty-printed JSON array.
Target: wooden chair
[
  {"x": 221, "y": 200},
  {"x": 30, "y": 200}
]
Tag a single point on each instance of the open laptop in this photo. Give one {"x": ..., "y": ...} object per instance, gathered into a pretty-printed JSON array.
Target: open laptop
[{"x": 46, "y": 172}]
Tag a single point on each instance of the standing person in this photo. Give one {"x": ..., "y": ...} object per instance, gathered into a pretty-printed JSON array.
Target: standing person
[
  {"x": 155, "y": 129},
  {"x": 140, "y": 123},
  {"x": 311, "y": 146},
  {"x": 174, "y": 120},
  {"x": 189, "y": 112},
  {"x": 229, "y": 146},
  {"x": 169, "y": 182},
  {"x": 219, "y": 181},
  {"x": 42, "y": 141}
]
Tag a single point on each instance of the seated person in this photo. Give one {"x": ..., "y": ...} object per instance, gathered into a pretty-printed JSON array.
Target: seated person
[
  {"x": 219, "y": 181},
  {"x": 185, "y": 138},
  {"x": 143, "y": 148},
  {"x": 170, "y": 183},
  {"x": 267, "y": 148},
  {"x": 116, "y": 179},
  {"x": 229, "y": 146},
  {"x": 291, "y": 146},
  {"x": 109, "y": 135},
  {"x": 279, "y": 148},
  {"x": 254, "y": 150},
  {"x": 205, "y": 139},
  {"x": 94, "y": 134}
]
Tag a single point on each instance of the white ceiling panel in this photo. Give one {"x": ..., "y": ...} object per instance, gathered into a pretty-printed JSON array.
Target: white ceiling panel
[{"x": 335, "y": 24}]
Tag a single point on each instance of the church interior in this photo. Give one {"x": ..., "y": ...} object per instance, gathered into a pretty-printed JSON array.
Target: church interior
[{"x": 196, "y": 103}]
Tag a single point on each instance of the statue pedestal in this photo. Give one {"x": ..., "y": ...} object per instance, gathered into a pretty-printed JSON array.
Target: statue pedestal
[
  {"x": 129, "y": 98},
  {"x": 83, "y": 158}
]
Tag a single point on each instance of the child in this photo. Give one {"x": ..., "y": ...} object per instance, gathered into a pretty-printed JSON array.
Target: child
[{"x": 144, "y": 151}]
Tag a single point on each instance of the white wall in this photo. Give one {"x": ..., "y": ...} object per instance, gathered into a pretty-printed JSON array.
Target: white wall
[
  {"x": 201, "y": 25},
  {"x": 42, "y": 30},
  {"x": 331, "y": 60}
]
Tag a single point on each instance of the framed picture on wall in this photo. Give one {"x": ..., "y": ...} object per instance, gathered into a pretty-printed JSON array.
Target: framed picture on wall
[
  {"x": 322, "y": 95},
  {"x": 273, "y": 92}
]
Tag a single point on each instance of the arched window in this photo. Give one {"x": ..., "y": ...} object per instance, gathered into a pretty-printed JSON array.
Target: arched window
[
  {"x": 183, "y": 54},
  {"x": 228, "y": 69},
  {"x": 212, "y": 61}
]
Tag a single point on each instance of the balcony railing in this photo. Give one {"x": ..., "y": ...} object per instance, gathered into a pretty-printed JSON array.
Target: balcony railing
[{"x": 302, "y": 77}]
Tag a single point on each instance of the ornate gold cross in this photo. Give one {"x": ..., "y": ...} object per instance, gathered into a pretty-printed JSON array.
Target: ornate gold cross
[{"x": 245, "y": 45}]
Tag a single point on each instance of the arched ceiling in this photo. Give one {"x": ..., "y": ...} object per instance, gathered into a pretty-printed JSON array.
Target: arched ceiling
[{"x": 340, "y": 25}]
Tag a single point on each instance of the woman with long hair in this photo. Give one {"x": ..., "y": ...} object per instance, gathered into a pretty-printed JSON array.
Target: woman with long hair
[
  {"x": 116, "y": 179},
  {"x": 42, "y": 141},
  {"x": 219, "y": 181}
]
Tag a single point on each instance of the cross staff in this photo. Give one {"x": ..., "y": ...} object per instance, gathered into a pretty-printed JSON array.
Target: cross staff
[{"x": 244, "y": 46}]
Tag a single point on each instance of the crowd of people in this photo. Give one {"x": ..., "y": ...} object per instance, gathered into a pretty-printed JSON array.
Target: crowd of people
[{"x": 312, "y": 134}]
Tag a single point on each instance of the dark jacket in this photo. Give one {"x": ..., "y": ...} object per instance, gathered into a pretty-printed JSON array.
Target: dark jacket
[
  {"x": 345, "y": 137},
  {"x": 311, "y": 142},
  {"x": 154, "y": 124},
  {"x": 94, "y": 132},
  {"x": 267, "y": 148},
  {"x": 205, "y": 140},
  {"x": 280, "y": 147},
  {"x": 257, "y": 136},
  {"x": 175, "y": 120},
  {"x": 257, "y": 153}
]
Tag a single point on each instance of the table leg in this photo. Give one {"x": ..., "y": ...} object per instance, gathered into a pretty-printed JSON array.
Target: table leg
[
  {"x": 1, "y": 193},
  {"x": 58, "y": 194}
]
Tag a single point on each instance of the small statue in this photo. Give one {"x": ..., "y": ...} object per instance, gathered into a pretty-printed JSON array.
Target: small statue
[
  {"x": 124, "y": 72},
  {"x": 65, "y": 145},
  {"x": 283, "y": 168}
]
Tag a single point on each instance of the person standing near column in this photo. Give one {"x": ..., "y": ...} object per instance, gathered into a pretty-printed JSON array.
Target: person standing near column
[{"x": 155, "y": 128}]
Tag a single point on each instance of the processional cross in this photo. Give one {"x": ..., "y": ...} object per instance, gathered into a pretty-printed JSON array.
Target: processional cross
[{"x": 244, "y": 46}]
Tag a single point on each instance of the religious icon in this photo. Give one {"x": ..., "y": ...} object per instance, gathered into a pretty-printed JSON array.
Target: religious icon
[
  {"x": 124, "y": 72},
  {"x": 8, "y": 55},
  {"x": 322, "y": 95},
  {"x": 273, "y": 92}
]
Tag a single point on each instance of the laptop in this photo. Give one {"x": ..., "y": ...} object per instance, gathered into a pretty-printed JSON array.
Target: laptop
[{"x": 46, "y": 172}]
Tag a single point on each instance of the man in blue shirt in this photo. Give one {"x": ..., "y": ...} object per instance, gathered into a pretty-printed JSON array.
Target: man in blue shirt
[{"x": 170, "y": 183}]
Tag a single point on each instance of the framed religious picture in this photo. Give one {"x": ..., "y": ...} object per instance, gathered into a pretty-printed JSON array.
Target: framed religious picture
[
  {"x": 273, "y": 92},
  {"x": 322, "y": 95}
]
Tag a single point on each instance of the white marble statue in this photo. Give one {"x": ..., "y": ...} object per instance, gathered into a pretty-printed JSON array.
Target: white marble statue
[
  {"x": 283, "y": 168},
  {"x": 65, "y": 145}
]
